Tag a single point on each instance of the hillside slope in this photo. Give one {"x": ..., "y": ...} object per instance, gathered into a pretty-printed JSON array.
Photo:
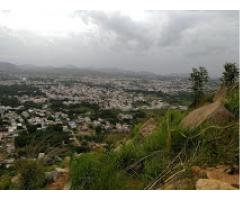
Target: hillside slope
[{"x": 202, "y": 155}]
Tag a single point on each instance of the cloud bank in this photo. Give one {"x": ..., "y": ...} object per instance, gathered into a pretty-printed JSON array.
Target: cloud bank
[{"x": 157, "y": 41}]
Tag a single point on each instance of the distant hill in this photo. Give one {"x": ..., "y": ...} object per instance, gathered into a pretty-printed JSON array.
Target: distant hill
[
  {"x": 73, "y": 70},
  {"x": 8, "y": 67}
]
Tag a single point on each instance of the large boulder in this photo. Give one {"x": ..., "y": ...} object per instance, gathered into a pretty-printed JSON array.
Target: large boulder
[
  {"x": 213, "y": 112},
  {"x": 224, "y": 173},
  {"x": 212, "y": 184}
]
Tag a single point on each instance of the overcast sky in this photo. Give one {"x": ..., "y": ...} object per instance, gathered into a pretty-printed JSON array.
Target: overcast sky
[{"x": 158, "y": 41}]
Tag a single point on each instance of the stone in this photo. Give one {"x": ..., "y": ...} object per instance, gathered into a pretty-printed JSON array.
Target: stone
[
  {"x": 220, "y": 173},
  {"x": 41, "y": 155},
  {"x": 198, "y": 171},
  {"x": 61, "y": 170},
  {"x": 211, "y": 184}
]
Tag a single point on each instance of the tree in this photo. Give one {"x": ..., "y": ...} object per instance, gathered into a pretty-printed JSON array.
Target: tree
[
  {"x": 198, "y": 77},
  {"x": 230, "y": 75}
]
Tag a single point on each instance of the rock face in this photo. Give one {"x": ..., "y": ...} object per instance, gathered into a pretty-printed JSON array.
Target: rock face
[
  {"x": 212, "y": 184},
  {"x": 214, "y": 112},
  {"x": 225, "y": 175},
  {"x": 221, "y": 173}
]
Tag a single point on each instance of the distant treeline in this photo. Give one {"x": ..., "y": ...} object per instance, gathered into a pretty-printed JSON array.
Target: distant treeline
[
  {"x": 19, "y": 90},
  {"x": 181, "y": 97}
]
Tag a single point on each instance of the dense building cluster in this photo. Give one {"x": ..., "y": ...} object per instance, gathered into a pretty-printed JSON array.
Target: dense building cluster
[{"x": 75, "y": 105}]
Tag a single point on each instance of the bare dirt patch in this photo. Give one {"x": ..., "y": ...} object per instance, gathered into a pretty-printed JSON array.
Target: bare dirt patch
[{"x": 148, "y": 127}]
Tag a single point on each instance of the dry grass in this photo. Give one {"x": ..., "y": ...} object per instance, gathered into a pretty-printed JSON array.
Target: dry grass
[{"x": 148, "y": 127}]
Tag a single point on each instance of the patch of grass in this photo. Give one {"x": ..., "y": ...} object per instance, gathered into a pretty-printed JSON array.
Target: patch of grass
[
  {"x": 5, "y": 182},
  {"x": 149, "y": 156},
  {"x": 95, "y": 171},
  {"x": 232, "y": 101}
]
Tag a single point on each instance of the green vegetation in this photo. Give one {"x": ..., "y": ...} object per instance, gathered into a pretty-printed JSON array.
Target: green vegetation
[
  {"x": 95, "y": 171},
  {"x": 19, "y": 90},
  {"x": 81, "y": 108},
  {"x": 230, "y": 75},
  {"x": 9, "y": 93},
  {"x": 181, "y": 97},
  {"x": 232, "y": 101},
  {"x": 31, "y": 174},
  {"x": 5, "y": 182},
  {"x": 168, "y": 150},
  {"x": 198, "y": 78},
  {"x": 94, "y": 112},
  {"x": 31, "y": 105},
  {"x": 168, "y": 153},
  {"x": 9, "y": 101},
  {"x": 136, "y": 160},
  {"x": 51, "y": 141}
]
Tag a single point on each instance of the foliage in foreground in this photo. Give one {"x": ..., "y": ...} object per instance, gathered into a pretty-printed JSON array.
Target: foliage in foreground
[
  {"x": 232, "y": 101},
  {"x": 168, "y": 150},
  {"x": 31, "y": 174},
  {"x": 95, "y": 171}
]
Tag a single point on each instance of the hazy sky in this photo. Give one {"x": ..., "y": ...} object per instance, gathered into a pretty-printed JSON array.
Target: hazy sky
[{"x": 157, "y": 41}]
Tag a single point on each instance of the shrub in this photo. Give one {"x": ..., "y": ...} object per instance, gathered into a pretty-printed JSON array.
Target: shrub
[
  {"x": 126, "y": 155},
  {"x": 95, "y": 171},
  {"x": 153, "y": 167},
  {"x": 5, "y": 182},
  {"x": 232, "y": 101},
  {"x": 31, "y": 174}
]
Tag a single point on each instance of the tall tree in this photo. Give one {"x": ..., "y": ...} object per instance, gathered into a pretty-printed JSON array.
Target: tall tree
[
  {"x": 230, "y": 75},
  {"x": 198, "y": 77}
]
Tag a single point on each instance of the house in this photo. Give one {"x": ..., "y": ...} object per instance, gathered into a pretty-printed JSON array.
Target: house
[{"x": 72, "y": 124}]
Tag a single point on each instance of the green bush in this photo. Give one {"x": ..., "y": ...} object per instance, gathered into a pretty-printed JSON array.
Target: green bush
[
  {"x": 95, "y": 171},
  {"x": 41, "y": 141},
  {"x": 5, "y": 182},
  {"x": 153, "y": 167},
  {"x": 126, "y": 155},
  {"x": 219, "y": 145},
  {"x": 232, "y": 101},
  {"x": 31, "y": 174},
  {"x": 208, "y": 144}
]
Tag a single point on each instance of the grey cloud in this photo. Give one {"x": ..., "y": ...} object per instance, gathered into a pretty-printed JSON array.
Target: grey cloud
[
  {"x": 165, "y": 42},
  {"x": 125, "y": 31},
  {"x": 173, "y": 30}
]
